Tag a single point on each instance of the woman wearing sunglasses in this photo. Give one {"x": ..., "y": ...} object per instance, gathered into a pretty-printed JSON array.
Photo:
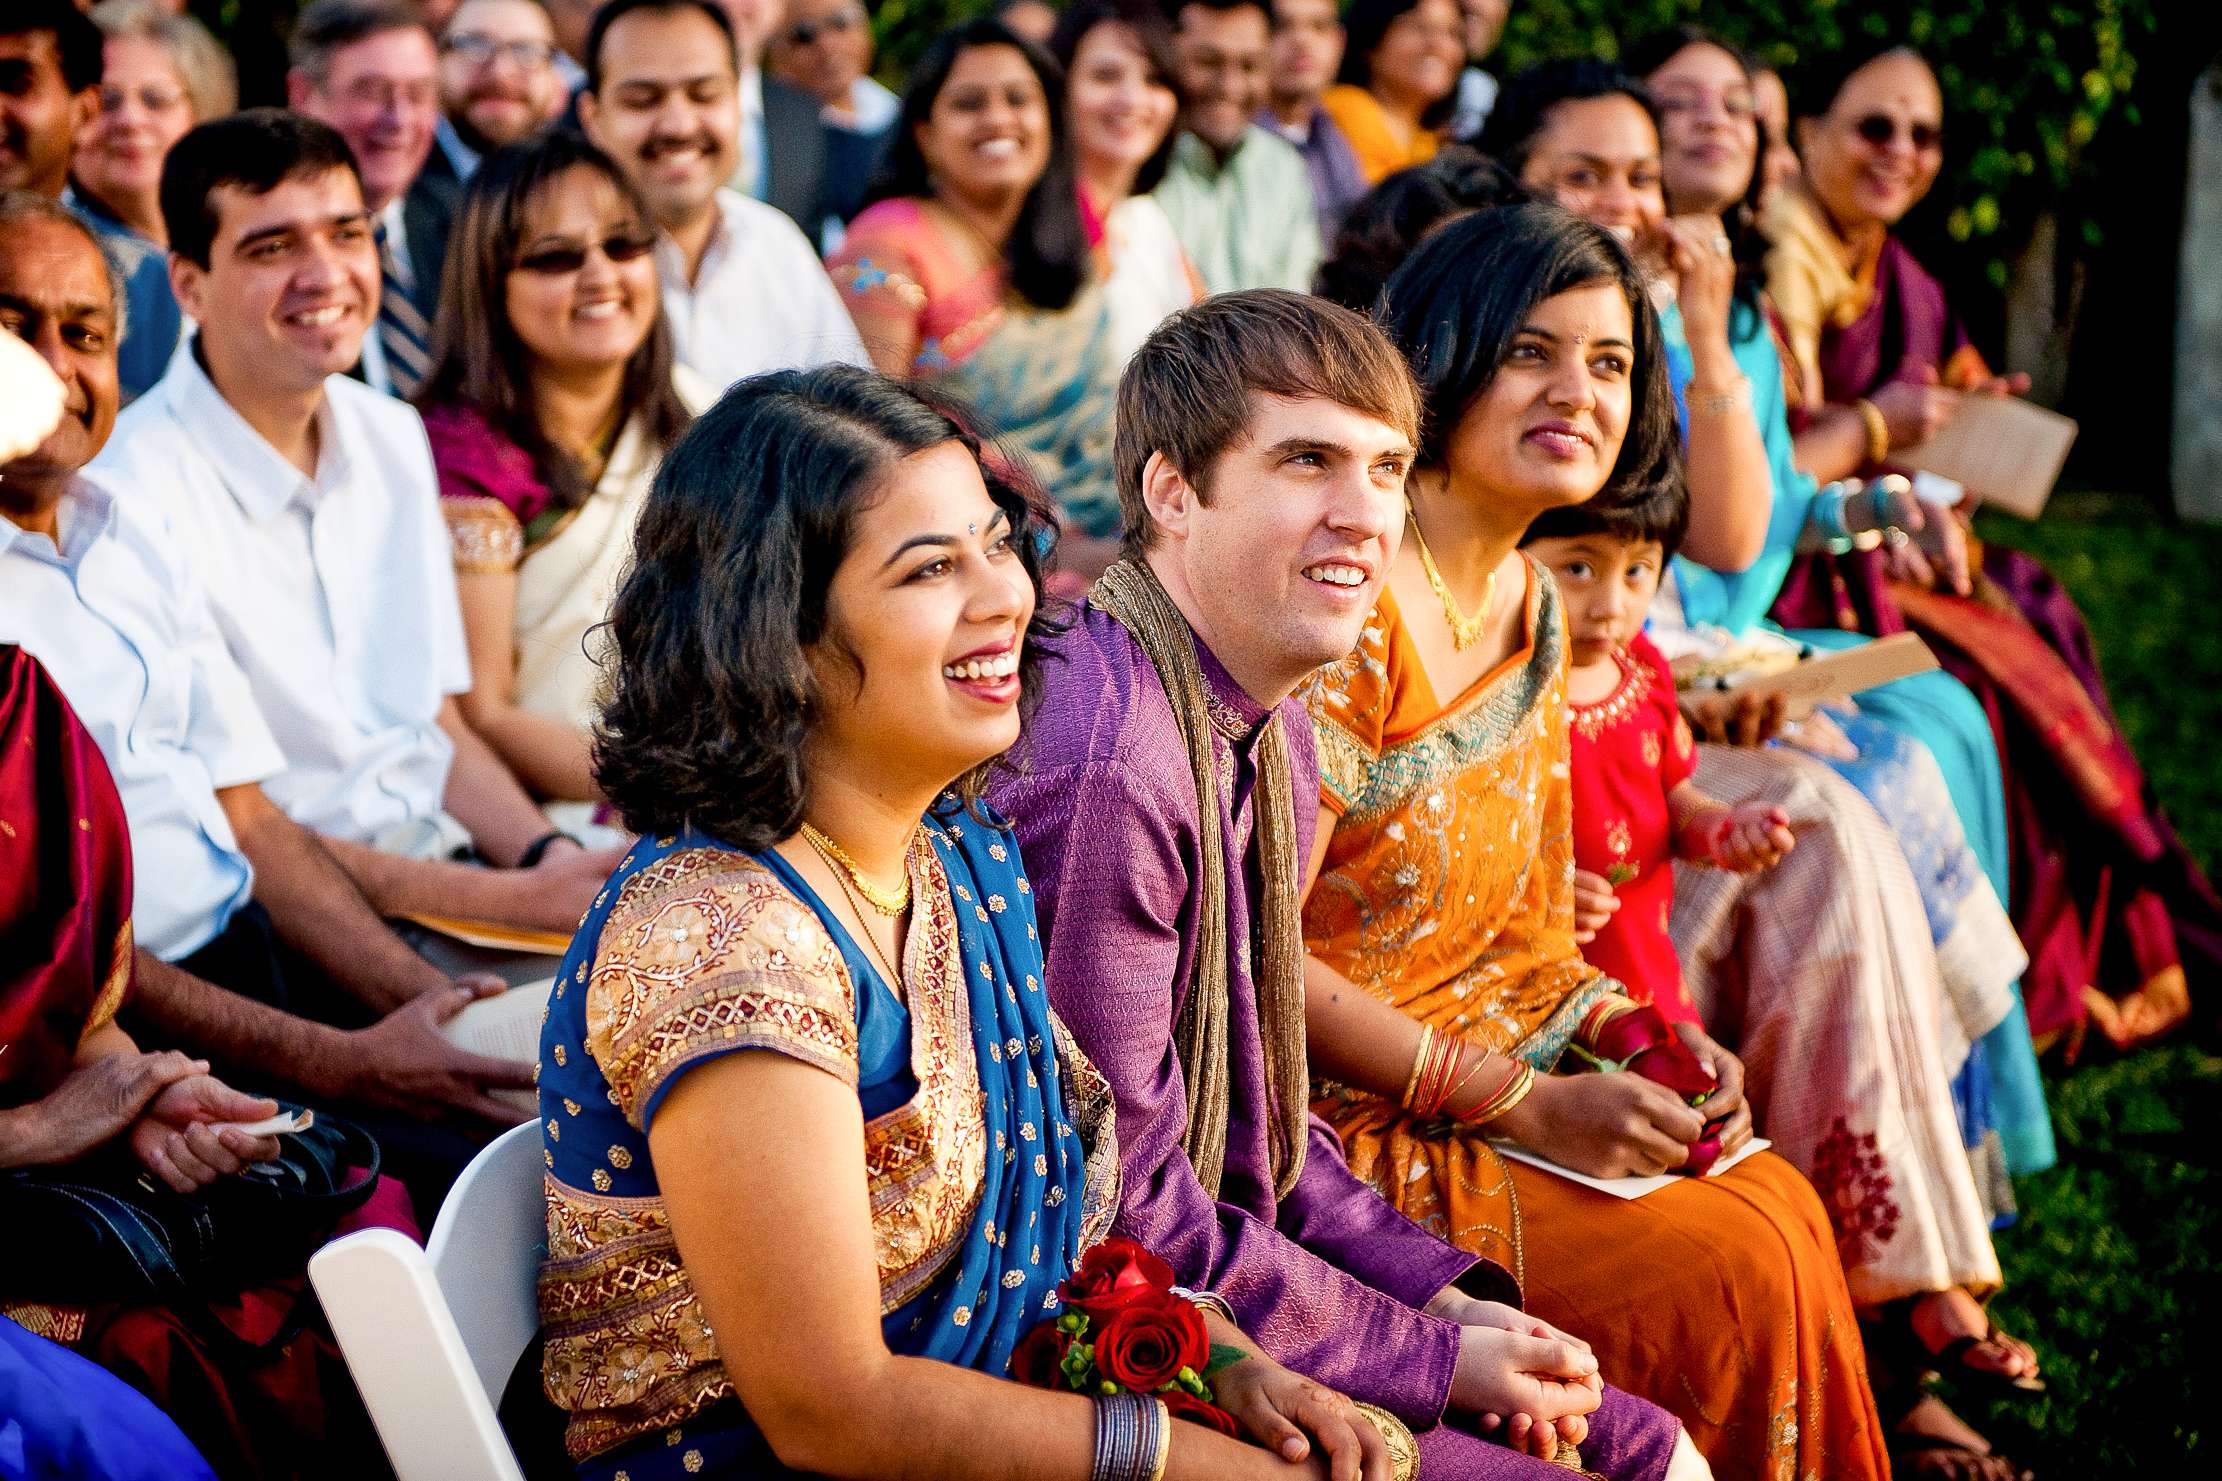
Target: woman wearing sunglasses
[
  {"x": 552, "y": 398},
  {"x": 1884, "y": 362}
]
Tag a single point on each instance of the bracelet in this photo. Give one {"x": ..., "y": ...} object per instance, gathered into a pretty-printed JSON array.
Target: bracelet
[
  {"x": 1828, "y": 511},
  {"x": 1878, "y": 430},
  {"x": 1419, "y": 1063},
  {"x": 1133, "y": 1437},
  {"x": 1474, "y": 1067},
  {"x": 1605, "y": 1010},
  {"x": 1720, "y": 403},
  {"x": 536, "y": 850},
  {"x": 1439, "y": 1059},
  {"x": 1513, "y": 1091},
  {"x": 1208, "y": 1301}
]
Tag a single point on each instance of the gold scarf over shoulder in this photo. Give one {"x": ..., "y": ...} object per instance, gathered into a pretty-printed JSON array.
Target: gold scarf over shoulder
[{"x": 1130, "y": 593}]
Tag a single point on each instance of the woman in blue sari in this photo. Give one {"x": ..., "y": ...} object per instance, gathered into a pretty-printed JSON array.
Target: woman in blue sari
[{"x": 819, "y": 1257}]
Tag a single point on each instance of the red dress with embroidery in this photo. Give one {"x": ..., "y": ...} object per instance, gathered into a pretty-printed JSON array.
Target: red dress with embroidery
[{"x": 1629, "y": 750}]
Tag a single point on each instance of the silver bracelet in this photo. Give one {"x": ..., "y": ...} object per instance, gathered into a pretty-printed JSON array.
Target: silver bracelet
[
  {"x": 1208, "y": 1301},
  {"x": 1133, "y": 1434}
]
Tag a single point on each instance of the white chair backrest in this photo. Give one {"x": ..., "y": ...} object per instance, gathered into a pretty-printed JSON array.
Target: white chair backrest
[
  {"x": 431, "y": 1336},
  {"x": 486, "y": 1249}
]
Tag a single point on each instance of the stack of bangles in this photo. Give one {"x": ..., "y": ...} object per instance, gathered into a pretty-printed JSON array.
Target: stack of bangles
[
  {"x": 1602, "y": 1012},
  {"x": 1445, "y": 1066},
  {"x": 1134, "y": 1434}
]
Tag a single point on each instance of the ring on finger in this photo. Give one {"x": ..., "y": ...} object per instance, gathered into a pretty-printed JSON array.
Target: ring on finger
[
  {"x": 1894, "y": 537},
  {"x": 1721, "y": 245}
]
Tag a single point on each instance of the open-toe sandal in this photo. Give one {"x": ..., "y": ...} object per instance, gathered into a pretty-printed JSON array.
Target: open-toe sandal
[
  {"x": 1910, "y": 1354},
  {"x": 1933, "y": 1456}
]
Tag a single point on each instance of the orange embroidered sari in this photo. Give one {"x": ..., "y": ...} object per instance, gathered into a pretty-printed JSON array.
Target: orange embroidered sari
[{"x": 1447, "y": 891}]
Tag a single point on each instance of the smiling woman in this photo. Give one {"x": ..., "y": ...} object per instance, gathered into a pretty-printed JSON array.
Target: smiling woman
[
  {"x": 552, "y": 396},
  {"x": 809, "y": 1009}
]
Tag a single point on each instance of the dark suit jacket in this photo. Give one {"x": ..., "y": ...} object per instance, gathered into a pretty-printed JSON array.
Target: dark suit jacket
[
  {"x": 427, "y": 215},
  {"x": 795, "y": 155}
]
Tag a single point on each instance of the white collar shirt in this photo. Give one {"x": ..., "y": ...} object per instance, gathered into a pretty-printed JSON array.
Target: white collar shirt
[
  {"x": 126, "y": 634},
  {"x": 761, "y": 301},
  {"x": 335, "y": 595}
]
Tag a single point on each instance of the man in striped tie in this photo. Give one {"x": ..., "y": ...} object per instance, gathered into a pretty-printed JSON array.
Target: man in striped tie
[{"x": 370, "y": 69}]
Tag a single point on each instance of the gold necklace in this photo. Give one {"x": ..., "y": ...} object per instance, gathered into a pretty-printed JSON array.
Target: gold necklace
[
  {"x": 894, "y": 978},
  {"x": 1464, "y": 631},
  {"x": 883, "y": 900}
]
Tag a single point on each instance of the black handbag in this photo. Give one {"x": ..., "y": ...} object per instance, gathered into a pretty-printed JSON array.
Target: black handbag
[{"x": 106, "y": 1230}]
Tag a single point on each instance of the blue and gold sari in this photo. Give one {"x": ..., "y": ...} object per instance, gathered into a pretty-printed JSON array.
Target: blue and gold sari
[{"x": 988, "y": 1141}]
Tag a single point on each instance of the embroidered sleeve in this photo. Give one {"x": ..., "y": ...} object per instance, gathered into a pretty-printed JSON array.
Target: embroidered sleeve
[
  {"x": 707, "y": 953},
  {"x": 1349, "y": 706},
  {"x": 483, "y": 536}
]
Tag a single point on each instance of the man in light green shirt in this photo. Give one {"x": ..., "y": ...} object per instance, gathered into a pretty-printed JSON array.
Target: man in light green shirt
[{"x": 1240, "y": 198}]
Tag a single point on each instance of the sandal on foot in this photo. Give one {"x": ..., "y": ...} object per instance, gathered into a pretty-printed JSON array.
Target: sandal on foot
[{"x": 1912, "y": 1355}]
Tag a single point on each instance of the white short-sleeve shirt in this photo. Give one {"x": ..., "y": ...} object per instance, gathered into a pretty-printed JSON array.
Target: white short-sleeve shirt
[
  {"x": 762, "y": 301},
  {"x": 335, "y": 595},
  {"x": 127, "y": 636}
]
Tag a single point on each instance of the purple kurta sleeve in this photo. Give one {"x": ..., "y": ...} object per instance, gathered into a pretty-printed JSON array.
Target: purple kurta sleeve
[{"x": 1106, "y": 849}]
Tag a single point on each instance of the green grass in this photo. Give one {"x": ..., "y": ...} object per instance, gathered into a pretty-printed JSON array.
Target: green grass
[{"x": 2113, "y": 1268}]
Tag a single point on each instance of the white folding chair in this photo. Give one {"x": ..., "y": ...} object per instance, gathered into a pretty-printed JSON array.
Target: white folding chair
[{"x": 431, "y": 1335}]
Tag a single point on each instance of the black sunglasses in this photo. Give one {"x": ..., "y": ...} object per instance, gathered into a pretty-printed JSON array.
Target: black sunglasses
[
  {"x": 556, "y": 261},
  {"x": 1879, "y": 129},
  {"x": 802, "y": 33}
]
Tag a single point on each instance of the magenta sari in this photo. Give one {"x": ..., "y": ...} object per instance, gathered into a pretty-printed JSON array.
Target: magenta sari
[{"x": 2117, "y": 917}]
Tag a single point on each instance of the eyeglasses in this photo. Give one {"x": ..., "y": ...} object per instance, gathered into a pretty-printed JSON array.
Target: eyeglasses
[
  {"x": 479, "y": 51},
  {"x": 840, "y": 22},
  {"x": 555, "y": 262},
  {"x": 1880, "y": 129},
  {"x": 153, "y": 97}
]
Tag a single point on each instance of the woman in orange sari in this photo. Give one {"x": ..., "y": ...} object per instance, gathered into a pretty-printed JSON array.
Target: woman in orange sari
[{"x": 1441, "y": 912}]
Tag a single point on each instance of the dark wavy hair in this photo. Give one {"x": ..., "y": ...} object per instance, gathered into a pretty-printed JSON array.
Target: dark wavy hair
[
  {"x": 1457, "y": 305},
  {"x": 1387, "y": 222},
  {"x": 1741, "y": 221},
  {"x": 1145, "y": 19},
  {"x": 1364, "y": 23},
  {"x": 1047, "y": 252},
  {"x": 750, "y": 515},
  {"x": 1529, "y": 95},
  {"x": 478, "y": 358}
]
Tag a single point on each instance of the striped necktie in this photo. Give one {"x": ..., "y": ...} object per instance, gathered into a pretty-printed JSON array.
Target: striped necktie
[{"x": 402, "y": 332}]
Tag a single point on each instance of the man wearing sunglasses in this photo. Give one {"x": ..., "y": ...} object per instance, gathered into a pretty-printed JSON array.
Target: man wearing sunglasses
[
  {"x": 825, "y": 50},
  {"x": 498, "y": 83},
  {"x": 742, "y": 287}
]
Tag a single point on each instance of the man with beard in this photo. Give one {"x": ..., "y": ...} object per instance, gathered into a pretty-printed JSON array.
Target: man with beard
[
  {"x": 498, "y": 84},
  {"x": 369, "y": 68},
  {"x": 742, "y": 287},
  {"x": 1239, "y": 196}
]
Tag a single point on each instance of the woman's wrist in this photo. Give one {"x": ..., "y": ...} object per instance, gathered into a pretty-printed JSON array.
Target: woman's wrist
[{"x": 1134, "y": 1436}]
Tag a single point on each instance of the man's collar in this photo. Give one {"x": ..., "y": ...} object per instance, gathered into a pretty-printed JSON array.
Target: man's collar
[
  {"x": 257, "y": 475},
  {"x": 83, "y": 514},
  {"x": 1234, "y": 713},
  {"x": 462, "y": 156}
]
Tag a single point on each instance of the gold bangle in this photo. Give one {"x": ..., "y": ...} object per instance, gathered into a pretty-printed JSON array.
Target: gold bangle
[
  {"x": 1419, "y": 1063},
  {"x": 1720, "y": 403},
  {"x": 1513, "y": 1092},
  {"x": 1164, "y": 1440},
  {"x": 1878, "y": 430}
]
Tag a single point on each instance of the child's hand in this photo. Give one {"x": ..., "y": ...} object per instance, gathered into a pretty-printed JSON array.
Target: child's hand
[
  {"x": 1594, "y": 904},
  {"x": 1752, "y": 836}
]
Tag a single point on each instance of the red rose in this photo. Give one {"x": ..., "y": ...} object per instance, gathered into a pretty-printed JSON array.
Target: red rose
[
  {"x": 1629, "y": 1034},
  {"x": 1114, "y": 1274},
  {"x": 1703, "y": 1155},
  {"x": 1145, "y": 1345},
  {"x": 1187, "y": 1406},
  {"x": 1036, "y": 1359},
  {"x": 1679, "y": 1069}
]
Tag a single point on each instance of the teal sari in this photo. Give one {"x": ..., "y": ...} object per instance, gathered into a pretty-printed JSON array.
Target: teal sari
[{"x": 1934, "y": 709}]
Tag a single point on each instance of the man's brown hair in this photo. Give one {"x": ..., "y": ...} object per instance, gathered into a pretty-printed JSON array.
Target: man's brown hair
[{"x": 1187, "y": 391}]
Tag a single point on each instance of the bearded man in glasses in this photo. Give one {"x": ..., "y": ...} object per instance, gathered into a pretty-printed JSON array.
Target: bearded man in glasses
[{"x": 498, "y": 83}]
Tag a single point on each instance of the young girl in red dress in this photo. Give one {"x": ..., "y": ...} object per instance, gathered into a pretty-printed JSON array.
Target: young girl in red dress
[{"x": 1636, "y": 810}]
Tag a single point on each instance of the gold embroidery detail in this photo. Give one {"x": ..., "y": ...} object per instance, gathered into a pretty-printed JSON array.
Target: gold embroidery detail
[{"x": 483, "y": 535}]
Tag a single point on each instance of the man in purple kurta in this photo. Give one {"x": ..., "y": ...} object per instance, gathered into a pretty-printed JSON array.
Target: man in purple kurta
[{"x": 1114, "y": 818}]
